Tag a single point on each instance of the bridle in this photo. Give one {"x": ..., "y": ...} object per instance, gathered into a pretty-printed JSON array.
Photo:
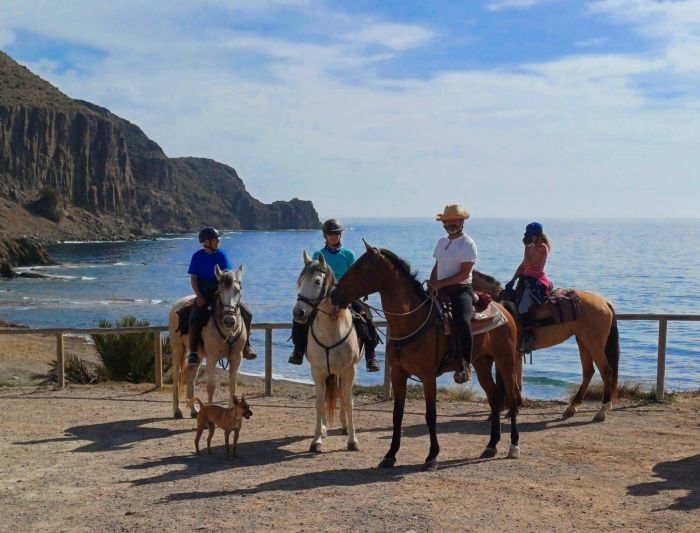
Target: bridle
[{"x": 230, "y": 335}]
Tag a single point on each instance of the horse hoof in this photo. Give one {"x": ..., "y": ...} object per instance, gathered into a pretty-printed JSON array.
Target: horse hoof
[
  {"x": 488, "y": 453},
  {"x": 353, "y": 447},
  {"x": 514, "y": 452},
  {"x": 177, "y": 415},
  {"x": 387, "y": 462},
  {"x": 511, "y": 413},
  {"x": 600, "y": 416},
  {"x": 344, "y": 431},
  {"x": 324, "y": 432},
  {"x": 569, "y": 412},
  {"x": 315, "y": 447},
  {"x": 430, "y": 465}
]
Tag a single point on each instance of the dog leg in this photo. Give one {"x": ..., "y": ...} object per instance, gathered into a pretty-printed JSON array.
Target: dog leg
[
  {"x": 211, "y": 427},
  {"x": 236, "y": 432},
  {"x": 200, "y": 429},
  {"x": 227, "y": 432}
]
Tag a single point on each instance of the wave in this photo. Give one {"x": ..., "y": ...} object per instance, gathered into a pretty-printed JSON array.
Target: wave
[{"x": 71, "y": 266}]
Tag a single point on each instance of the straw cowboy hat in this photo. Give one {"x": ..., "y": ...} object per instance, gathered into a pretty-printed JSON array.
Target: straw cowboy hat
[{"x": 452, "y": 212}]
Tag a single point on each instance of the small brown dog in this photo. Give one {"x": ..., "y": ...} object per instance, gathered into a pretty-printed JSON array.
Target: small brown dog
[{"x": 229, "y": 419}]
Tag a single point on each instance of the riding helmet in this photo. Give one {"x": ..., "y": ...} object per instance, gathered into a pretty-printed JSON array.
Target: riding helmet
[
  {"x": 332, "y": 227},
  {"x": 533, "y": 228},
  {"x": 208, "y": 234}
]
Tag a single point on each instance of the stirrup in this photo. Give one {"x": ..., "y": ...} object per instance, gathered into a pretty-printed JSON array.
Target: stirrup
[
  {"x": 373, "y": 365},
  {"x": 296, "y": 358},
  {"x": 249, "y": 353},
  {"x": 193, "y": 359}
]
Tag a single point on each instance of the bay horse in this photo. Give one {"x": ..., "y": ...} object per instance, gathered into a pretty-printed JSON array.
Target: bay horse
[
  {"x": 597, "y": 336},
  {"x": 423, "y": 344},
  {"x": 333, "y": 349},
  {"x": 224, "y": 335}
]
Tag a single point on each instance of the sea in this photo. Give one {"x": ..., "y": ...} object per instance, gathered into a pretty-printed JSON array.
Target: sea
[{"x": 641, "y": 266}]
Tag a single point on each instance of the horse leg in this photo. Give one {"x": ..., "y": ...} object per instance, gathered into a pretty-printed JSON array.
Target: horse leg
[
  {"x": 320, "y": 430},
  {"x": 607, "y": 374},
  {"x": 177, "y": 356},
  {"x": 211, "y": 376},
  {"x": 430, "y": 393},
  {"x": 494, "y": 396},
  {"x": 346, "y": 407},
  {"x": 482, "y": 365},
  {"x": 588, "y": 371},
  {"x": 509, "y": 389},
  {"x": 343, "y": 409},
  {"x": 192, "y": 373},
  {"x": 398, "y": 383},
  {"x": 234, "y": 364}
]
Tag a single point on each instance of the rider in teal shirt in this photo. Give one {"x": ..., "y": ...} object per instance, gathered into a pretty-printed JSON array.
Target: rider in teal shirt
[{"x": 340, "y": 260}]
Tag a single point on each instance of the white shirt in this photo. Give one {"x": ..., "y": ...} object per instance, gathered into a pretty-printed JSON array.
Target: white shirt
[{"x": 450, "y": 258}]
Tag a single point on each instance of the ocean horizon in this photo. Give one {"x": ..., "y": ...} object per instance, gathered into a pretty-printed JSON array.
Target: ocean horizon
[{"x": 639, "y": 265}]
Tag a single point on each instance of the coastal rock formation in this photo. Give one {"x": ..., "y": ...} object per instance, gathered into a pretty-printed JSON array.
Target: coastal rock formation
[
  {"x": 103, "y": 178},
  {"x": 22, "y": 251}
]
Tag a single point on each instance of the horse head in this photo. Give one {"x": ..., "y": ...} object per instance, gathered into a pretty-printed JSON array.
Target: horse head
[
  {"x": 314, "y": 283},
  {"x": 364, "y": 277},
  {"x": 229, "y": 294}
]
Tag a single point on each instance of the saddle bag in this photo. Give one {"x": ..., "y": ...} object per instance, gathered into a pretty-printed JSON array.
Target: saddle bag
[{"x": 565, "y": 305}]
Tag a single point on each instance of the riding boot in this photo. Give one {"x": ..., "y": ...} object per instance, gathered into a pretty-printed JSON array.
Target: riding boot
[
  {"x": 371, "y": 358},
  {"x": 300, "y": 334},
  {"x": 248, "y": 351}
]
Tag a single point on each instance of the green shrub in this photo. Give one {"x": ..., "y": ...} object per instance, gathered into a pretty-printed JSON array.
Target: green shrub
[
  {"x": 48, "y": 204},
  {"x": 76, "y": 370},
  {"x": 126, "y": 356}
]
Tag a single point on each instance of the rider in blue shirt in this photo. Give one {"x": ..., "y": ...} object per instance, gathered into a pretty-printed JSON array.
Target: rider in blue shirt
[
  {"x": 339, "y": 259},
  {"x": 204, "y": 283}
]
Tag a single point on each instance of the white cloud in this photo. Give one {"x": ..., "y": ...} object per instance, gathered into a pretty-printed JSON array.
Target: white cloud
[
  {"x": 7, "y": 37},
  {"x": 500, "y": 5},
  {"x": 393, "y": 36},
  {"x": 500, "y": 142}
]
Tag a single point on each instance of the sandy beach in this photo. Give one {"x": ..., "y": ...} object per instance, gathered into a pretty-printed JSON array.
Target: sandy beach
[{"x": 110, "y": 457}]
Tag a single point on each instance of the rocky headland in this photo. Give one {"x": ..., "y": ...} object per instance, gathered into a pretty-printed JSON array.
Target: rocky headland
[{"x": 70, "y": 169}]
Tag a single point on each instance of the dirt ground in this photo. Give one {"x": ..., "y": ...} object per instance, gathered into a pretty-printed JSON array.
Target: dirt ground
[{"x": 111, "y": 458}]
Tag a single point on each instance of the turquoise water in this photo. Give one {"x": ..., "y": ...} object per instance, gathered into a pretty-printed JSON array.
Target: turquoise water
[{"x": 640, "y": 266}]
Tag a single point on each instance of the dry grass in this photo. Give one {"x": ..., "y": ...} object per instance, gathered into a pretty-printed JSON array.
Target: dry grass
[
  {"x": 627, "y": 390},
  {"x": 415, "y": 392}
]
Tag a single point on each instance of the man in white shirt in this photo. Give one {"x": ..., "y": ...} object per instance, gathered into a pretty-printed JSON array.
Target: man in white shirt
[{"x": 455, "y": 256}]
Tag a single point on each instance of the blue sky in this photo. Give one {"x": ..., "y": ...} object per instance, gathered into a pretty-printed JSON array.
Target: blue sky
[{"x": 513, "y": 108}]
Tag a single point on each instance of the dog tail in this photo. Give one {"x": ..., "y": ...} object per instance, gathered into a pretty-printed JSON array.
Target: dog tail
[
  {"x": 332, "y": 394},
  {"x": 192, "y": 401}
]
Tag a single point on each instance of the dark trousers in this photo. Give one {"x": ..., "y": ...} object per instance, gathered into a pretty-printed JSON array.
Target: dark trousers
[
  {"x": 366, "y": 331},
  {"x": 199, "y": 316},
  {"x": 462, "y": 299}
]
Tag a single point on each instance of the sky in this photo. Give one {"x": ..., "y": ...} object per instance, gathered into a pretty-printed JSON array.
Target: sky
[{"x": 511, "y": 108}]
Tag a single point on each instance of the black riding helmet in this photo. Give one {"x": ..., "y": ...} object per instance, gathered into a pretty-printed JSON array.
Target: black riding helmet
[
  {"x": 208, "y": 234},
  {"x": 332, "y": 227}
]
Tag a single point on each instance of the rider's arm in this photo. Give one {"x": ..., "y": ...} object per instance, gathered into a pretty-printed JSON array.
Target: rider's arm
[
  {"x": 464, "y": 271},
  {"x": 433, "y": 274}
]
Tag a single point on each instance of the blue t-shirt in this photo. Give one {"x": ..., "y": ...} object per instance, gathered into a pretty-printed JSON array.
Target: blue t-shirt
[
  {"x": 202, "y": 264},
  {"x": 339, "y": 260}
]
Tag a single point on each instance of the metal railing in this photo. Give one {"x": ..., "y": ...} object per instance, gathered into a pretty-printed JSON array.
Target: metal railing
[{"x": 268, "y": 327}]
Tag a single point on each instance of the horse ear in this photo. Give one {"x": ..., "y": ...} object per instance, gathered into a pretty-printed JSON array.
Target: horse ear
[
  {"x": 307, "y": 259},
  {"x": 239, "y": 272},
  {"x": 217, "y": 272},
  {"x": 321, "y": 260},
  {"x": 369, "y": 247}
]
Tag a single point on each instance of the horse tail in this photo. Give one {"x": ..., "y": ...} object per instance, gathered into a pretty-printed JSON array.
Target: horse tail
[
  {"x": 192, "y": 401},
  {"x": 332, "y": 394},
  {"x": 612, "y": 351}
]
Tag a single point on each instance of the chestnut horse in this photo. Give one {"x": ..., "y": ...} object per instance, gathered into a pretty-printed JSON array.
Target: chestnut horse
[
  {"x": 416, "y": 347},
  {"x": 597, "y": 337}
]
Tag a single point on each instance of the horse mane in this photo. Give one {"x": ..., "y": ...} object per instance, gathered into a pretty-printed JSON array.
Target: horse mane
[
  {"x": 313, "y": 265},
  {"x": 227, "y": 278},
  {"x": 403, "y": 267},
  {"x": 489, "y": 279}
]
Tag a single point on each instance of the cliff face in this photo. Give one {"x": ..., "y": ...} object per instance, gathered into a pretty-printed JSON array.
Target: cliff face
[{"x": 110, "y": 179}]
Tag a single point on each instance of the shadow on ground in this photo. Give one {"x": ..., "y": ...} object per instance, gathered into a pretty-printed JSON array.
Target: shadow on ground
[{"x": 682, "y": 474}]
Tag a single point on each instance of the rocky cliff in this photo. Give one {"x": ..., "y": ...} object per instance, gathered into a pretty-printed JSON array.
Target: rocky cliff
[{"x": 102, "y": 177}]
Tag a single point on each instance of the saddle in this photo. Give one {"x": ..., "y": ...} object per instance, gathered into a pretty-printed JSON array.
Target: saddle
[
  {"x": 559, "y": 307},
  {"x": 487, "y": 316}
]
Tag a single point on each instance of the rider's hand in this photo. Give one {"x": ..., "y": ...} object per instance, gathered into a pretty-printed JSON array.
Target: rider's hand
[
  {"x": 435, "y": 283},
  {"x": 201, "y": 302}
]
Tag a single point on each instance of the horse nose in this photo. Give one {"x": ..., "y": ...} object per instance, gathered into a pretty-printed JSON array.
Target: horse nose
[
  {"x": 299, "y": 313},
  {"x": 229, "y": 321}
]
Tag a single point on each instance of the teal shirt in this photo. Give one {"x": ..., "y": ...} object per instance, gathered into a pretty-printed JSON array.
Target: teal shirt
[{"x": 339, "y": 262}]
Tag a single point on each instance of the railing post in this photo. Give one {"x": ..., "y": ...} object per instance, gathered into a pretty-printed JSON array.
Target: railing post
[
  {"x": 661, "y": 360},
  {"x": 268, "y": 361},
  {"x": 60, "y": 362},
  {"x": 158, "y": 359},
  {"x": 387, "y": 370}
]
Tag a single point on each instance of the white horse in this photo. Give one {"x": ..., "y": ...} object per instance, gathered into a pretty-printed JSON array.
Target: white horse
[
  {"x": 333, "y": 350},
  {"x": 224, "y": 335}
]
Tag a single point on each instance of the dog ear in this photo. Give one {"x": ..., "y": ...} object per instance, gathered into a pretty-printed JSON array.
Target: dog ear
[{"x": 235, "y": 400}]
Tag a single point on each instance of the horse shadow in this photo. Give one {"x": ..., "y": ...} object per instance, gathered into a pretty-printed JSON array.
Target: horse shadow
[
  {"x": 112, "y": 436},
  {"x": 345, "y": 477},
  {"x": 682, "y": 474}
]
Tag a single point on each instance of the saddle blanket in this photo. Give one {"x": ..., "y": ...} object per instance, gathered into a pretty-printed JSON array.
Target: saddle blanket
[
  {"x": 490, "y": 318},
  {"x": 561, "y": 306}
]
